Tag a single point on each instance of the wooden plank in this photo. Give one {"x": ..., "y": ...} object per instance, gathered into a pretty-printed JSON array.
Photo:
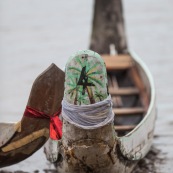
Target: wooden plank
[
  {"x": 116, "y": 99},
  {"x": 139, "y": 83},
  {"x": 126, "y": 111},
  {"x": 124, "y": 91},
  {"x": 117, "y": 102},
  {"x": 117, "y": 62},
  {"x": 124, "y": 127}
]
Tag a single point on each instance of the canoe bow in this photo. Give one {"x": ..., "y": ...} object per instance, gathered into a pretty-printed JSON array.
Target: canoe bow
[{"x": 30, "y": 134}]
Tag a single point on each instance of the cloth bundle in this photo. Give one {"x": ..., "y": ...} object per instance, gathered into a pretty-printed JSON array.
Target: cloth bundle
[{"x": 88, "y": 116}]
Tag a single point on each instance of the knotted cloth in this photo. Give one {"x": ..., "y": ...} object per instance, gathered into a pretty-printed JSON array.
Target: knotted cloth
[
  {"x": 55, "y": 122},
  {"x": 90, "y": 116}
]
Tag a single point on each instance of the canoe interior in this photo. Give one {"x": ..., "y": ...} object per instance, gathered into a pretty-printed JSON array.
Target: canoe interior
[{"x": 129, "y": 92}]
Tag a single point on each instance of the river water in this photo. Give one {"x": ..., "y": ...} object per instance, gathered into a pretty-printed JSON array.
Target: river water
[{"x": 36, "y": 33}]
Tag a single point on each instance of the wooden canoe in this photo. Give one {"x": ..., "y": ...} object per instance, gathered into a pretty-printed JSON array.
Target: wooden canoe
[
  {"x": 117, "y": 148},
  {"x": 133, "y": 94},
  {"x": 20, "y": 140}
]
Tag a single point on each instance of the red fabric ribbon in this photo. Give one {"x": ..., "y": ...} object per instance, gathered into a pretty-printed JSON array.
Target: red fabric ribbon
[{"x": 55, "y": 122}]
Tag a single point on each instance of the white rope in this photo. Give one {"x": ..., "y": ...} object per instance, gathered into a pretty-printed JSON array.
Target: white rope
[{"x": 88, "y": 116}]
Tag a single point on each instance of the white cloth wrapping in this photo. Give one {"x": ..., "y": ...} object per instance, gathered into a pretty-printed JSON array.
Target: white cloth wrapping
[{"x": 90, "y": 116}]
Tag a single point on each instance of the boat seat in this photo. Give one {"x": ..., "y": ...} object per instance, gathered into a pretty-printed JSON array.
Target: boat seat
[
  {"x": 7, "y": 130},
  {"x": 117, "y": 62},
  {"x": 128, "y": 111},
  {"x": 124, "y": 127},
  {"x": 124, "y": 91}
]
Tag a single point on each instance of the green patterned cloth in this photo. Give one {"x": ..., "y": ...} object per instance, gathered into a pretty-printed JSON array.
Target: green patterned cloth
[{"x": 85, "y": 78}]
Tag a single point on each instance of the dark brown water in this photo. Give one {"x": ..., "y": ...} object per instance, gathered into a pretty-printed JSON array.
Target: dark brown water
[{"x": 33, "y": 34}]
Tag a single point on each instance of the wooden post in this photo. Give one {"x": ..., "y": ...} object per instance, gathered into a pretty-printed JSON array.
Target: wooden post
[{"x": 108, "y": 27}]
